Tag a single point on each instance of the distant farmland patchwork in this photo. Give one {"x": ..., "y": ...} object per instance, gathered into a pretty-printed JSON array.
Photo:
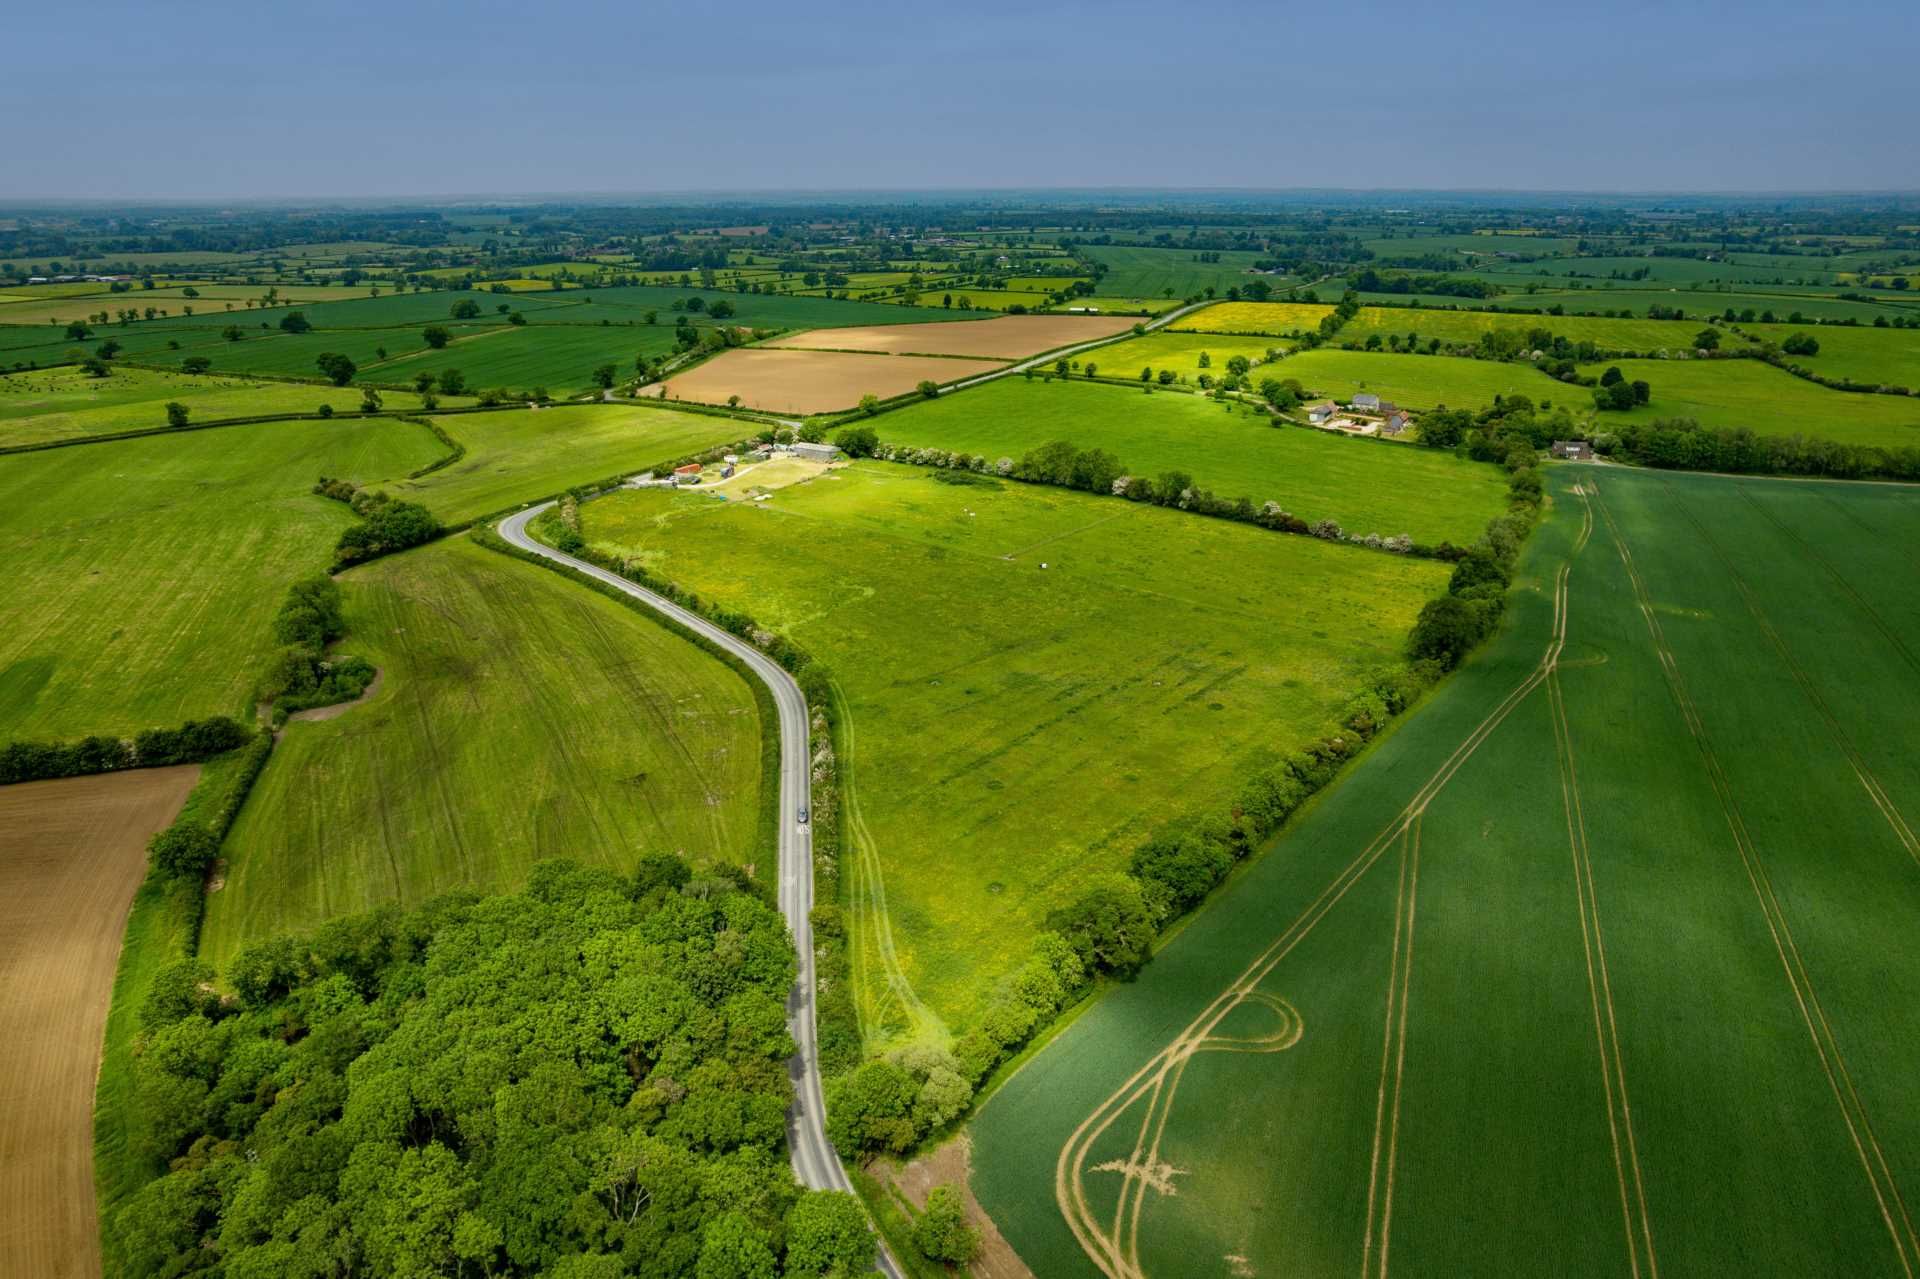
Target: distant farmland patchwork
[{"x": 1680, "y": 1041}]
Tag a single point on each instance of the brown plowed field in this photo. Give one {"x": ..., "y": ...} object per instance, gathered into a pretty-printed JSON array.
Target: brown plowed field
[
  {"x": 811, "y": 381},
  {"x": 72, "y": 853},
  {"x": 1006, "y": 337}
]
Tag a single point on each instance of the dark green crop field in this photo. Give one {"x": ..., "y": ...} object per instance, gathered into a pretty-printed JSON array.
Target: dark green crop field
[{"x": 1599, "y": 964}]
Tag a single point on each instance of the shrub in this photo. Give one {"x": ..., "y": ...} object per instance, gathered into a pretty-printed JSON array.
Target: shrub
[
  {"x": 941, "y": 1231},
  {"x": 393, "y": 527},
  {"x": 185, "y": 850},
  {"x": 176, "y": 413},
  {"x": 857, "y": 441}
]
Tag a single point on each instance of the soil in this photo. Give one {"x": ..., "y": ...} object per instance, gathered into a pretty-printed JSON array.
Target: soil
[
  {"x": 73, "y": 853},
  {"x": 1007, "y": 337},
  {"x": 809, "y": 381},
  {"x": 953, "y": 1163}
]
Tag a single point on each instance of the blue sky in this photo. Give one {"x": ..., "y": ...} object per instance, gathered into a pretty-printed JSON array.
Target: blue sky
[{"x": 271, "y": 99}]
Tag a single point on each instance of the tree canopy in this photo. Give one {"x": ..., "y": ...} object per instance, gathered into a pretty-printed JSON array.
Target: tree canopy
[{"x": 586, "y": 1078}]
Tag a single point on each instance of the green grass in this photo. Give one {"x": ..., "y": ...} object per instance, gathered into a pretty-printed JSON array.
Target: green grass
[
  {"x": 519, "y": 717},
  {"x": 519, "y": 455},
  {"x": 1364, "y": 484},
  {"x": 1698, "y": 304},
  {"x": 1181, "y": 352},
  {"x": 1769, "y": 401},
  {"x": 65, "y": 403},
  {"x": 1862, "y": 354},
  {"x": 1425, "y": 381},
  {"x": 1135, "y": 272},
  {"x": 1463, "y": 327},
  {"x": 142, "y": 575},
  {"x": 1012, "y": 729},
  {"x": 1781, "y": 610}
]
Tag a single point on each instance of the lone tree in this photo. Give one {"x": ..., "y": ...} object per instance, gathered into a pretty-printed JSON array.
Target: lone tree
[
  {"x": 338, "y": 369},
  {"x": 436, "y": 335},
  {"x": 603, "y": 377},
  {"x": 232, "y": 333},
  {"x": 195, "y": 364},
  {"x": 296, "y": 322},
  {"x": 176, "y": 413},
  {"x": 369, "y": 400},
  {"x": 466, "y": 309},
  {"x": 453, "y": 382}
]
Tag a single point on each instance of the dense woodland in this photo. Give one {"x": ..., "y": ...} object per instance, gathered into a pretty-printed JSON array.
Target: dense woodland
[{"x": 584, "y": 1080}]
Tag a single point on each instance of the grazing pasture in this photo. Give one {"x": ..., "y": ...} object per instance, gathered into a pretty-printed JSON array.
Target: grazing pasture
[
  {"x": 1425, "y": 381},
  {"x": 1466, "y": 327},
  {"x": 66, "y": 403},
  {"x": 1031, "y": 680},
  {"x": 1628, "y": 894},
  {"x": 518, "y": 455},
  {"x": 802, "y": 381},
  {"x": 1181, "y": 353},
  {"x": 1766, "y": 400},
  {"x": 1007, "y": 338},
  {"x": 1861, "y": 354},
  {"x": 619, "y": 737},
  {"x": 1366, "y": 485},
  {"x": 1254, "y": 317},
  {"x": 74, "y": 852},
  {"x": 142, "y": 575}
]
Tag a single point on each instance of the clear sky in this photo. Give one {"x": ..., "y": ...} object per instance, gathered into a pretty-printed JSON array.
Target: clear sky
[{"x": 404, "y": 97}]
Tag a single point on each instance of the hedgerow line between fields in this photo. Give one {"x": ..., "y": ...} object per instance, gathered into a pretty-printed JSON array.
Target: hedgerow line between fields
[
  {"x": 1825, "y": 1044},
  {"x": 1153, "y": 1078}
]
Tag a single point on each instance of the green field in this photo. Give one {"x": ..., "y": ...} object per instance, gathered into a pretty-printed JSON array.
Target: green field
[
  {"x": 1031, "y": 679},
  {"x": 1425, "y": 381},
  {"x": 65, "y": 403},
  {"x": 519, "y": 717},
  {"x": 1861, "y": 354},
  {"x": 519, "y": 455},
  {"x": 1181, "y": 352},
  {"x": 143, "y": 574},
  {"x": 1366, "y": 485},
  {"x": 1698, "y": 304},
  {"x": 1768, "y": 401},
  {"x": 1254, "y": 317},
  {"x": 1596, "y": 965},
  {"x": 1465, "y": 327},
  {"x": 1133, "y": 272}
]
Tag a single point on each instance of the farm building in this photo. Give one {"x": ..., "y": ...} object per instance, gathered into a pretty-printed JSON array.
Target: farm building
[
  {"x": 1396, "y": 423},
  {"x": 817, "y": 452},
  {"x": 1365, "y": 402},
  {"x": 1318, "y": 413},
  {"x": 1573, "y": 450},
  {"x": 688, "y": 474}
]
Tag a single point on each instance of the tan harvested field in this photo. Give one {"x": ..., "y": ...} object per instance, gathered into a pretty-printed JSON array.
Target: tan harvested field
[
  {"x": 1006, "y": 337},
  {"x": 72, "y": 853},
  {"x": 811, "y": 381}
]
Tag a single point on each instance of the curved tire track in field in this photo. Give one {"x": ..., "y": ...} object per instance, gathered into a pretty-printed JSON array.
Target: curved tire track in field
[
  {"x": 1115, "y": 1248},
  {"x": 815, "y": 1162}
]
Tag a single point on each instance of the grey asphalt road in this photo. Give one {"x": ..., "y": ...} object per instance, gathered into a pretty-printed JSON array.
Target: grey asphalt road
[{"x": 814, "y": 1161}]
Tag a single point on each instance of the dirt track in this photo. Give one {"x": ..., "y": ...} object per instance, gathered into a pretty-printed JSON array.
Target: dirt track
[
  {"x": 71, "y": 855},
  {"x": 1008, "y": 337}
]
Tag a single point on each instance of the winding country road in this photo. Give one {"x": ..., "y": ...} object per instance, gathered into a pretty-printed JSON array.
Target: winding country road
[{"x": 814, "y": 1161}]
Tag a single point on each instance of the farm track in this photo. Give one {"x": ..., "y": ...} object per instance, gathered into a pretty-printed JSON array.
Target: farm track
[{"x": 815, "y": 1162}]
